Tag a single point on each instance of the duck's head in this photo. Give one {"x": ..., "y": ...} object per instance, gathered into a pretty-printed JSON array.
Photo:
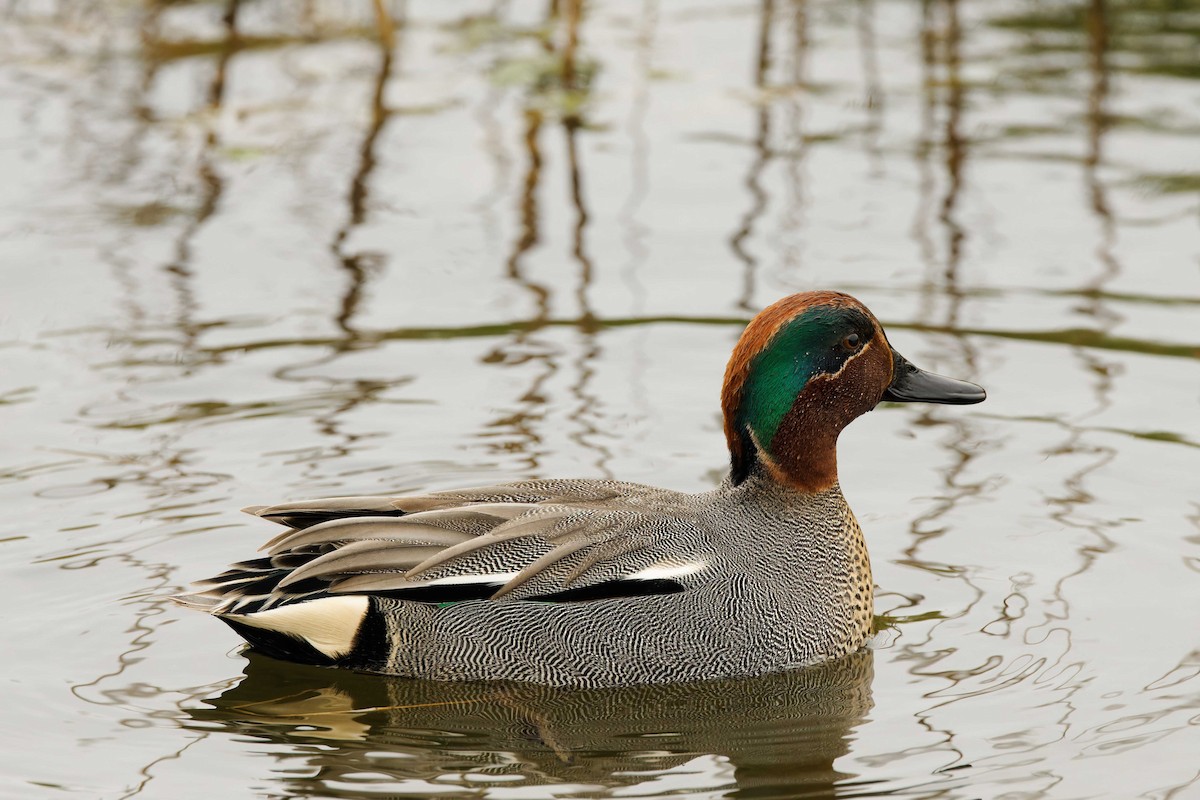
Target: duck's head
[{"x": 801, "y": 371}]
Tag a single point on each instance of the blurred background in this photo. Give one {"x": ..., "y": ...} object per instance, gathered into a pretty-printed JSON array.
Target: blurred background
[{"x": 273, "y": 249}]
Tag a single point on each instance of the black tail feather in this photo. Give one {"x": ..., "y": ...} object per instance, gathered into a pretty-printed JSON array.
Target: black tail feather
[{"x": 279, "y": 645}]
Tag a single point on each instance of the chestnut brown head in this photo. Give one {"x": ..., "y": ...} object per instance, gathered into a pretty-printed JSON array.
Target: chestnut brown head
[{"x": 803, "y": 369}]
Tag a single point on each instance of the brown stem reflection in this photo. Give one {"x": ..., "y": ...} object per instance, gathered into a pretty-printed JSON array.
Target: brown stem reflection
[
  {"x": 161, "y": 468},
  {"x": 955, "y": 151},
  {"x": 524, "y": 347},
  {"x": 1096, "y": 27},
  {"x": 634, "y": 235},
  {"x": 517, "y": 430},
  {"x": 146, "y": 773},
  {"x": 1075, "y": 497},
  {"x": 578, "y": 249},
  {"x": 359, "y": 266},
  {"x": 572, "y": 123},
  {"x": 796, "y": 148},
  {"x": 953, "y": 147},
  {"x": 1098, "y": 121},
  {"x": 941, "y": 60},
  {"x": 1070, "y": 505},
  {"x": 164, "y": 471},
  {"x": 924, "y": 149},
  {"x": 1018, "y": 617},
  {"x": 874, "y": 101},
  {"x": 574, "y": 16},
  {"x": 1054, "y": 631},
  {"x": 942, "y": 88},
  {"x": 945, "y": 150},
  {"x": 587, "y": 405},
  {"x": 758, "y": 195},
  {"x": 529, "y": 236},
  {"x": 493, "y": 143},
  {"x": 212, "y": 185}
]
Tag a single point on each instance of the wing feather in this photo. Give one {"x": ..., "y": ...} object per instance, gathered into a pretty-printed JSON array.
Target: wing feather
[
  {"x": 521, "y": 541},
  {"x": 305, "y": 513},
  {"x": 339, "y": 531},
  {"x": 359, "y": 557},
  {"x": 539, "y": 565},
  {"x": 542, "y": 524}
]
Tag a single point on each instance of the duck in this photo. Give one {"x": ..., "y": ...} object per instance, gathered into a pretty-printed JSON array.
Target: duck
[{"x": 589, "y": 583}]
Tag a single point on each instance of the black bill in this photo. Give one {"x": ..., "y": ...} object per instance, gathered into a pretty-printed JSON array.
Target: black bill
[{"x": 911, "y": 384}]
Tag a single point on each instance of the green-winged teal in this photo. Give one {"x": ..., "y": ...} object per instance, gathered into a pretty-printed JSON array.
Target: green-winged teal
[{"x": 599, "y": 582}]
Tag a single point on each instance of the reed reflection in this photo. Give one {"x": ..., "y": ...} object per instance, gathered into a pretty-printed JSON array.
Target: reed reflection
[
  {"x": 586, "y": 412},
  {"x": 517, "y": 429},
  {"x": 359, "y": 266},
  {"x": 337, "y": 441},
  {"x": 1098, "y": 125},
  {"x": 874, "y": 100},
  {"x": 753, "y": 179},
  {"x": 942, "y": 299},
  {"x": 162, "y": 470},
  {"x": 636, "y": 233},
  {"x": 1029, "y": 615},
  {"x": 208, "y": 176},
  {"x": 942, "y": 283},
  {"x": 502, "y": 162},
  {"x": 780, "y": 733},
  {"x": 943, "y": 94},
  {"x": 1100, "y": 371},
  {"x": 559, "y": 97},
  {"x": 1069, "y": 507},
  {"x": 795, "y": 147},
  {"x": 785, "y": 145}
]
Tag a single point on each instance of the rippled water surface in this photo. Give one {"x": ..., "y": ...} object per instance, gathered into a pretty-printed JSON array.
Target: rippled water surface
[{"x": 268, "y": 250}]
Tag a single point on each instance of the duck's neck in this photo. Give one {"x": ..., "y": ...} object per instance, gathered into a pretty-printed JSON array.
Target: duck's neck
[
  {"x": 763, "y": 484},
  {"x": 802, "y": 451},
  {"x": 802, "y": 460}
]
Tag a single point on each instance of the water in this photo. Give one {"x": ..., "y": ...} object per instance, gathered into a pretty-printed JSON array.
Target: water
[{"x": 250, "y": 255}]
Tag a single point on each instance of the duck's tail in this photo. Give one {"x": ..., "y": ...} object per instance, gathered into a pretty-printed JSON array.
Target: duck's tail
[{"x": 322, "y": 630}]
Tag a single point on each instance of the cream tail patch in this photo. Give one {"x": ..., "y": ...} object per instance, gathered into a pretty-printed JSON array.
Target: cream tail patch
[{"x": 329, "y": 624}]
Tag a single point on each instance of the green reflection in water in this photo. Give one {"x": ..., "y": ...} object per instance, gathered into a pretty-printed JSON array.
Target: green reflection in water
[
  {"x": 1075, "y": 337},
  {"x": 1155, "y": 37}
]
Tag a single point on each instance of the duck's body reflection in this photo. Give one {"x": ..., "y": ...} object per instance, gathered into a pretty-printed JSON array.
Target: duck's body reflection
[{"x": 779, "y": 733}]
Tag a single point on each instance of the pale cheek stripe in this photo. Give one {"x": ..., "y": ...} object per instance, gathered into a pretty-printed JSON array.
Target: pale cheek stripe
[{"x": 846, "y": 363}]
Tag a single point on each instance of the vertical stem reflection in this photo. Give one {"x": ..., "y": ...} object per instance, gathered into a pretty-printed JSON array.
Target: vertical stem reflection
[
  {"x": 359, "y": 265},
  {"x": 737, "y": 242}
]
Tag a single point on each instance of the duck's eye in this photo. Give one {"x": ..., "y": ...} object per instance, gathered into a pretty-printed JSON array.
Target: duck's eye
[{"x": 851, "y": 342}]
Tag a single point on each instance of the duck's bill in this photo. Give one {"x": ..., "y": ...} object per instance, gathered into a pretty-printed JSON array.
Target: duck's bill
[{"x": 911, "y": 384}]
